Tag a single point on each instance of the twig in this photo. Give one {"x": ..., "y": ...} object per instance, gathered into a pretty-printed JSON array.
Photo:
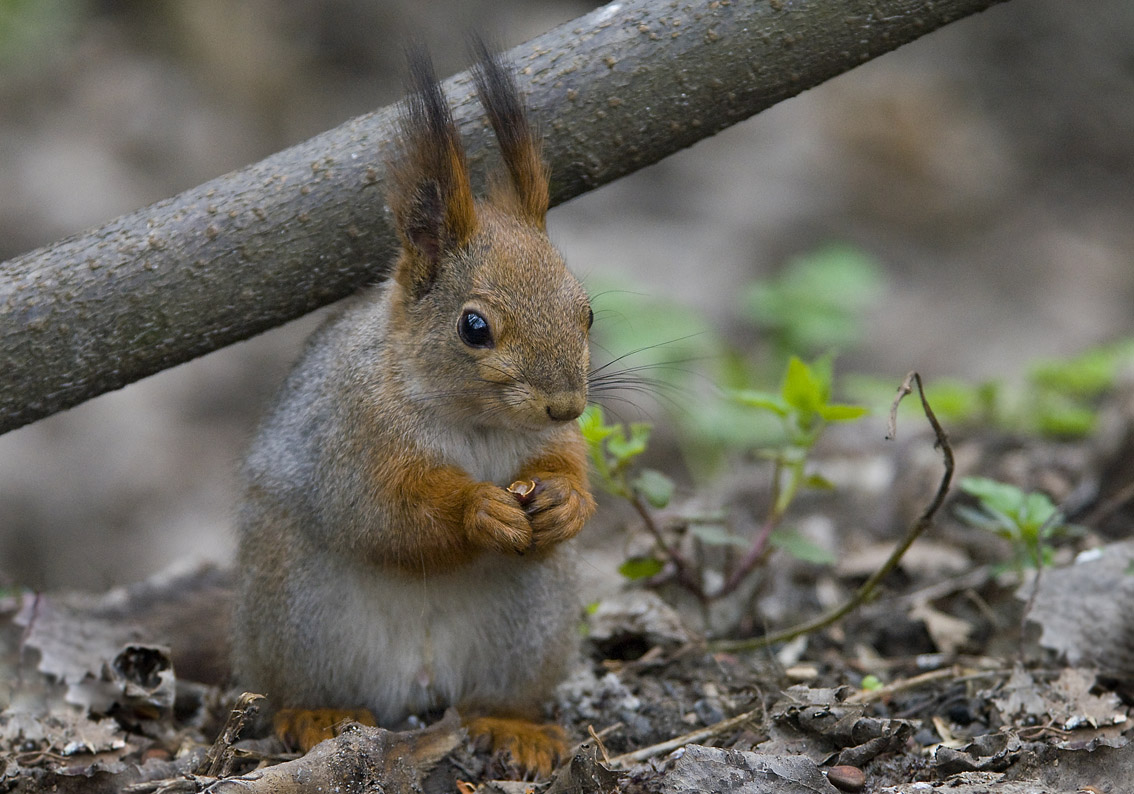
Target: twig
[
  {"x": 923, "y": 522},
  {"x": 906, "y": 684},
  {"x": 660, "y": 748},
  {"x": 598, "y": 741},
  {"x": 218, "y": 761}
]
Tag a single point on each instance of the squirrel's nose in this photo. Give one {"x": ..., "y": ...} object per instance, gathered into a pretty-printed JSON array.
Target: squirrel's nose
[{"x": 565, "y": 406}]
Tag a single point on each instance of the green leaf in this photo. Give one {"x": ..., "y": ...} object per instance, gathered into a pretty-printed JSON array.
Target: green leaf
[
  {"x": 802, "y": 390},
  {"x": 1038, "y": 509},
  {"x": 717, "y": 535},
  {"x": 761, "y": 399},
  {"x": 1001, "y": 497},
  {"x": 1086, "y": 375},
  {"x": 818, "y": 482},
  {"x": 795, "y": 544},
  {"x": 977, "y": 518},
  {"x": 593, "y": 426},
  {"x": 1065, "y": 421},
  {"x": 837, "y": 412},
  {"x": 624, "y": 449},
  {"x": 655, "y": 487},
  {"x": 871, "y": 682},
  {"x": 818, "y": 300},
  {"x": 641, "y": 568}
]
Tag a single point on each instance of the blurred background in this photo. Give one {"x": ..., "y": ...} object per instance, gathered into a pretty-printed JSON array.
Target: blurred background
[{"x": 979, "y": 181}]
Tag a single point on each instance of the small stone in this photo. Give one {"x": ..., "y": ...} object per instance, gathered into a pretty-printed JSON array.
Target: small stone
[{"x": 847, "y": 778}]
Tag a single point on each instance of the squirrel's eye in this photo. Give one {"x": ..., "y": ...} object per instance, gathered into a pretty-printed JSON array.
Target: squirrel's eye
[
  {"x": 473, "y": 329},
  {"x": 590, "y": 318}
]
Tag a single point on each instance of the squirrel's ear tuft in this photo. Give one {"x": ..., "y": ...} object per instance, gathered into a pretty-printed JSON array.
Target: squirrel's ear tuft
[
  {"x": 430, "y": 195},
  {"x": 526, "y": 191}
]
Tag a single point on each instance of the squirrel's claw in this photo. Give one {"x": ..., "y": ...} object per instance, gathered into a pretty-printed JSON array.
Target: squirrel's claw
[{"x": 533, "y": 747}]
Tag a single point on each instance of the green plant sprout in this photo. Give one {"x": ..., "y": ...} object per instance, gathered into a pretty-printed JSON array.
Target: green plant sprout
[
  {"x": 1028, "y": 520},
  {"x": 871, "y": 682},
  {"x": 803, "y": 408},
  {"x": 816, "y": 303},
  {"x": 613, "y": 448}
]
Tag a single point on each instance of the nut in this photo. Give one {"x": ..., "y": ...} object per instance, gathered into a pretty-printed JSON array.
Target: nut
[{"x": 524, "y": 490}]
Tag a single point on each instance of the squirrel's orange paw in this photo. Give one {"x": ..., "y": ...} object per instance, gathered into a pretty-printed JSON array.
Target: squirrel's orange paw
[
  {"x": 305, "y": 728},
  {"x": 558, "y": 511},
  {"x": 534, "y": 747},
  {"x": 496, "y": 521}
]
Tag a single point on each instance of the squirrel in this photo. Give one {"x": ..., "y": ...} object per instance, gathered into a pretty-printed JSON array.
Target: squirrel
[{"x": 385, "y": 568}]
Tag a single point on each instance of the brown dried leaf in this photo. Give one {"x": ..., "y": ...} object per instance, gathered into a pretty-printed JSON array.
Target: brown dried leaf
[
  {"x": 715, "y": 769},
  {"x": 1084, "y": 610}
]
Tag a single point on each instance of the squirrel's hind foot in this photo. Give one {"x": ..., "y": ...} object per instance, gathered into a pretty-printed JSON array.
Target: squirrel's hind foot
[
  {"x": 304, "y": 728},
  {"x": 534, "y": 747}
]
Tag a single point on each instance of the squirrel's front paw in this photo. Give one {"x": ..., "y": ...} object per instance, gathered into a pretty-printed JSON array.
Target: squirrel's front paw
[
  {"x": 557, "y": 510},
  {"x": 494, "y": 520}
]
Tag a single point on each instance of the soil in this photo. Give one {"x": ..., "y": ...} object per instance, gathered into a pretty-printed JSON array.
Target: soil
[{"x": 953, "y": 677}]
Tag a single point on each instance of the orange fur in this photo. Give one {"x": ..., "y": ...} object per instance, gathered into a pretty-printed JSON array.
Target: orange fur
[
  {"x": 532, "y": 746},
  {"x": 456, "y": 518},
  {"x": 563, "y": 503},
  {"x": 305, "y": 728}
]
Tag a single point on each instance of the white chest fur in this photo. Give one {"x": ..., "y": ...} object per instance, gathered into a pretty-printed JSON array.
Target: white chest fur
[
  {"x": 489, "y": 455},
  {"x": 480, "y": 634}
]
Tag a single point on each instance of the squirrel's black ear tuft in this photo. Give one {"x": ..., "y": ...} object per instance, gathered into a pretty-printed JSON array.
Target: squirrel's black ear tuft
[
  {"x": 430, "y": 195},
  {"x": 527, "y": 193}
]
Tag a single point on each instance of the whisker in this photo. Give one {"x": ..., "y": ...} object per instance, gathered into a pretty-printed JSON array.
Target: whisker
[
  {"x": 639, "y": 384},
  {"x": 643, "y": 349},
  {"x": 656, "y": 364},
  {"x": 662, "y": 392}
]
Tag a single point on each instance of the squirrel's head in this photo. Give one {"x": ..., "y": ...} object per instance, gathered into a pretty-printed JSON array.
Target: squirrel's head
[{"x": 495, "y": 325}]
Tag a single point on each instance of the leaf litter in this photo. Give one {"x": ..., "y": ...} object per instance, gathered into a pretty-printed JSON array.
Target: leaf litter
[{"x": 941, "y": 683}]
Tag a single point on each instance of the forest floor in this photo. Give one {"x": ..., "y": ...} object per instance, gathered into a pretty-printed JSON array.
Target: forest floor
[
  {"x": 975, "y": 166},
  {"x": 961, "y": 673}
]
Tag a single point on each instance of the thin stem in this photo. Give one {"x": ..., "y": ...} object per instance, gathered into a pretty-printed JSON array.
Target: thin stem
[
  {"x": 752, "y": 557},
  {"x": 758, "y": 551},
  {"x": 683, "y": 569}
]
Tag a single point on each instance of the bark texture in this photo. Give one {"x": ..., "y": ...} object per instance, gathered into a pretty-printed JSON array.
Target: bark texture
[{"x": 613, "y": 91}]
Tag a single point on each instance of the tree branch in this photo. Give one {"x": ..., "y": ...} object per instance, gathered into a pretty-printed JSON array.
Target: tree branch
[{"x": 613, "y": 91}]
